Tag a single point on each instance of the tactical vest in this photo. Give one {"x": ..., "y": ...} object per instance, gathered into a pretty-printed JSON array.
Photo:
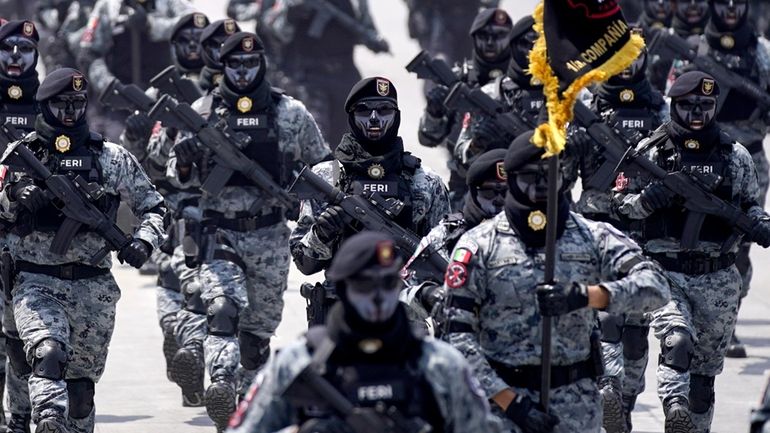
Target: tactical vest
[
  {"x": 639, "y": 120},
  {"x": 670, "y": 222},
  {"x": 525, "y": 103},
  {"x": 20, "y": 116}
]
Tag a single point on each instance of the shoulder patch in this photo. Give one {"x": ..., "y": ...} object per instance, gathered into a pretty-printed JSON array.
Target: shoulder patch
[
  {"x": 468, "y": 244},
  {"x": 462, "y": 255},
  {"x": 456, "y": 275}
]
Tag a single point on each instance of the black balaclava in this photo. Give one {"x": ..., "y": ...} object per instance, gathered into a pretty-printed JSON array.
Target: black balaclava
[
  {"x": 737, "y": 36},
  {"x": 650, "y": 17},
  {"x": 243, "y": 55},
  {"x": 523, "y": 38},
  {"x": 63, "y": 100},
  {"x": 185, "y": 42},
  {"x": 693, "y": 95},
  {"x": 526, "y": 202},
  {"x": 373, "y": 104},
  {"x": 19, "y": 54},
  {"x": 630, "y": 88},
  {"x": 486, "y": 179},
  {"x": 491, "y": 27},
  {"x": 212, "y": 38},
  {"x": 685, "y": 28}
]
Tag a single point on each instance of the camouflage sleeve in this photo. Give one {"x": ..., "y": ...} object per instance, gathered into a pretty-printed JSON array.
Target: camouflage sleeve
[
  {"x": 129, "y": 180},
  {"x": 299, "y": 126},
  {"x": 746, "y": 185},
  {"x": 433, "y": 130},
  {"x": 462, "y": 150},
  {"x": 160, "y": 144},
  {"x": 635, "y": 283},
  {"x": 243, "y": 10},
  {"x": 469, "y": 281},
  {"x": 439, "y": 203},
  {"x": 8, "y": 206},
  {"x": 161, "y": 23},
  {"x": 309, "y": 253}
]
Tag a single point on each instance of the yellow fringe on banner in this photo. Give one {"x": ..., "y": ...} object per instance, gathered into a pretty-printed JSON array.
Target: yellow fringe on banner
[{"x": 553, "y": 135}]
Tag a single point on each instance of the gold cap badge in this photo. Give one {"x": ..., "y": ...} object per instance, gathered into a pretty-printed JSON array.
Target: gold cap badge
[
  {"x": 385, "y": 255},
  {"x": 707, "y": 86},
  {"x": 501, "y": 174},
  {"x": 376, "y": 171},
  {"x": 536, "y": 220},
  {"x": 230, "y": 26},
  {"x": 244, "y": 104},
  {"x": 15, "y": 92},
  {"x": 627, "y": 95},
  {"x": 383, "y": 87},
  {"x": 62, "y": 143},
  {"x": 28, "y": 28},
  {"x": 77, "y": 83},
  {"x": 199, "y": 20},
  {"x": 247, "y": 44}
]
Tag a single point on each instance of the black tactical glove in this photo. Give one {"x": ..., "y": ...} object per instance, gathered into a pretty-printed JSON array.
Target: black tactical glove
[
  {"x": 487, "y": 135},
  {"x": 137, "y": 18},
  {"x": 580, "y": 142},
  {"x": 435, "y": 99},
  {"x": 760, "y": 233},
  {"x": 656, "y": 196},
  {"x": 529, "y": 417},
  {"x": 139, "y": 128},
  {"x": 187, "y": 152},
  {"x": 330, "y": 224},
  {"x": 430, "y": 294},
  {"x": 135, "y": 253},
  {"x": 30, "y": 196},
  {"x": 557, "y": 299}
]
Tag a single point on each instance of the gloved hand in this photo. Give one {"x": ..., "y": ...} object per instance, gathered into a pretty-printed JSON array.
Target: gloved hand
[
  {"x": 30, "y": 196},
  {"x": 580, "y": 142},
  {"x": 139, "y": 127},
  {"x": 187, "y": 152},
  {"x": 135, "y": 253},
  {"x": 557, "y": 299},
  {"x": 435, "y": 99},
  {"x": 487, "y": 135},
  {"x": 529, "y": 417},
  {"x": 137, "y": 18},
  {"x": 760, "y": 233},
  {"x": 656, "y": 196},
  {"x": 430, "y": 294},
  {"x": 330, "y": 224}
]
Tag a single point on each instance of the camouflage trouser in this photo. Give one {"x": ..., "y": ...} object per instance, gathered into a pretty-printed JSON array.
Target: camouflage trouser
[
  {"x": 169, "y": 299},
  {"x": 742, "y": 259},
  {"x": 577, "y": 405},
  {"x": 257, "y": 291},
  {"x": 706, "y": 307},
  {"x": 628, "y": 363},
  {"x": 190, "y": 325},
  {"x": 15, "y": 378},
  {"x": 78, "y": 314}
]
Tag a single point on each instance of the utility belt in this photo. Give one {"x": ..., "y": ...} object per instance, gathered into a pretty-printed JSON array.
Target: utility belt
[
  {"x": 68, "y": 271},
  {"x": 243, "y": 222},
  {"x": 320, "y": 297},
  {"x": 693, "y": 263},
  {"x": 529, "y": 376}
]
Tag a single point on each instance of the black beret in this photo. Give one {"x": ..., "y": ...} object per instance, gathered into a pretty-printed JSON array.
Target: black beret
[
  {"x": 367, "y": 250},
  {"x": 60, "y": 81},
  {"x": 195, "y": 20},
  {"x": 372, "y": 87},
  {"x": 522, "y": 152},
  {"x": 221, "y": 27},
  {"x": 696, "y": 82},
  {"x": 20, "y": 28},
  {"x": 488, "y": 166},
  {"x": 522, "y": 26},
  {"x": 495, "y": 16},
  {"x": 242, "y": 42}
]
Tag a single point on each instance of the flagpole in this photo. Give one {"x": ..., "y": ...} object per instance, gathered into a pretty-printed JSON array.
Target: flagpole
[{"x": 549, "y": 272}]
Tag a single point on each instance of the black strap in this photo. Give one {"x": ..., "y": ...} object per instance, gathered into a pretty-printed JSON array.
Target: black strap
[
  {"x": 463, "y": 303},
  {"x": 244, "y": 222},
  {"x": 693, "y": 264},
  {"x": 230, "y": 257},
  {"x": 528, "y": 376},
  {"x": 67, "y": 271}
]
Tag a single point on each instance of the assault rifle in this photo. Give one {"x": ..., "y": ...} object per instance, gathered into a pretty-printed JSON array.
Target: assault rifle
[
  {"x": 225, "y": 147},
  {"x": 695, "y": 189},
  {"x": 126, "y": 97},
  {"x": 371, "y": 211},
  {"x": 727, "y": 79},
  {"x": 324, "y": 12},
  {"x": 432, "y": 68},
  {"x": 170, "y": 82},
  {"x": 8, "y": 134},
  {"x": 310, "y": 389},
  {"x": 464, "y": 99},
  {"x": 74, "y": 198}
]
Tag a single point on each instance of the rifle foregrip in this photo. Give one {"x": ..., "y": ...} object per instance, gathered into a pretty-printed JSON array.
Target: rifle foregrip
[{"x": 63, "y": 238}]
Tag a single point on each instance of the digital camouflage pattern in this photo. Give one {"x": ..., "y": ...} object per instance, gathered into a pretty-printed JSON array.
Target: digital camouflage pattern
[
  {"x": 456, "y": 390},
  {"x": 500, "y": 275},
  {"x": 617, "y": 364}
]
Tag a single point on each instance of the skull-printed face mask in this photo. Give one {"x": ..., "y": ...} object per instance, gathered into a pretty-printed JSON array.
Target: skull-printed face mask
[
  {"x": 730, "y": 13},
  {"x": 242, "y": 70},
  {"x": 692, "y": 11},
  {"x": 213, "y": 46},
  {"x": 18, "y": 55},
  {"x": 658, "y": 9},
  {"x": 529, "y": 185},
  {"x": 521, "y": 47},
  {"x": 695, "y": 112},
  {"x": 187, "y": 48},
  {"x": 374, "y": 298},
  {"x": 68, "y": 108},
  {"x": 491, "y": 41},
  {"x": 490, "y": 197},
  {"x": 374, "y": 118}
]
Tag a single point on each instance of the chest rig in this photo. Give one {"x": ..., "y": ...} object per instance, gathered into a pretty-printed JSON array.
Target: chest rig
[
  {"x": 636, "y": 120},
  {"x": 526, "y": 103},
  {"x": 20, "y": 116}
]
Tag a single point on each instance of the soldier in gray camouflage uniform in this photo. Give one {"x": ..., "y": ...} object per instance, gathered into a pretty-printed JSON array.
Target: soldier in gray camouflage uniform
[
  {"x": 243, "y": 279},
  {"x": 495, "y": 285},
  {"x": 695, "y": 327},
  {"x": 64, "y": 305},
  {"x": 420, "y": 378},
  {"x": 370, "y": 157}
]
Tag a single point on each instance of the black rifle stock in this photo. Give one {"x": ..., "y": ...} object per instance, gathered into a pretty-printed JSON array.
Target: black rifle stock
[
  {"x": 169, "y": 81},
  {"x": 310, "y": 389},
  {"x": 372, "y": 212},
  {"x": 432, "y": 68},
  {"x": 125, "y": 97},
  {"x": 227, "y": 155},
  {"x": 464, "y": 99},
  {"x": 74, "y": 198},
  {"x": 326, "y": 12},
  {"x": 698, "y": 199}
]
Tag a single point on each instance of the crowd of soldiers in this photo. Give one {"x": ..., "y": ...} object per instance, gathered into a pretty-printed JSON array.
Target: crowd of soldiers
[{"x": 429, "y": 316}]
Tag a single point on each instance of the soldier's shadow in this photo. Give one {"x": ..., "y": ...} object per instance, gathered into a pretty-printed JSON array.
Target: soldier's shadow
[
  {"x": 756, "y": 365},
  {"x": 200, "y": 420},
  {"x": 114, "y": 419}
]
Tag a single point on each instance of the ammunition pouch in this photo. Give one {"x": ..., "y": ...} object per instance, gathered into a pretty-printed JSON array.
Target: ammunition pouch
[
  {"x": 320, "y": 298},
  {"x": 692, "y": 263},
  {"x": 68, "y": 271}
]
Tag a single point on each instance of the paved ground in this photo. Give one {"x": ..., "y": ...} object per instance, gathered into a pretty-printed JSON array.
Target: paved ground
[{"x": 134, "y": 395}]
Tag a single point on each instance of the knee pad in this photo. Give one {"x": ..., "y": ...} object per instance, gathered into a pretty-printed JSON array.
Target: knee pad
[
  {"x": 676, "y": 350},
  {"x": 635, "y": 342},
  {"x": 81, "y": 397},
  {"x": 192, "y": 297},
  {"x": 701, "y": 393},
  {"x": 168, "y": 279},
  {"x": 222, "y": 317},
  {"x": 49, "y": 360},
  {"x": 254, "y": 350},
  {"x": 612, "y": 327},
  {"x": 15, "y": 351}
]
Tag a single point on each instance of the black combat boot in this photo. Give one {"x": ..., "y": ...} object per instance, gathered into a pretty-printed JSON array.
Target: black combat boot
[
  {"x": 19, "y": 423},
  {"x": 736, "y": 349},
  {"x": 629, "y": 402},
  {"x": 678, "y": 418},
  {"x": 170, "y": 346},
  {"x": 220, "y": 401},
  {"x": 51, "y": 425},
  {"x": 614, "y": 420},
  {"x": 187, "y": 369}
]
